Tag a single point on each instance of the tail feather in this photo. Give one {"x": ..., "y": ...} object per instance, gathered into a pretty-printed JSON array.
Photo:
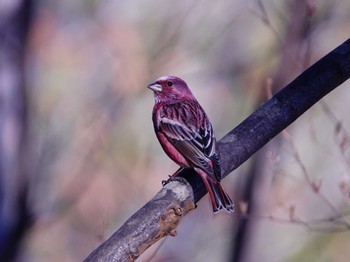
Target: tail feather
[{"x": 218, "y": 196}]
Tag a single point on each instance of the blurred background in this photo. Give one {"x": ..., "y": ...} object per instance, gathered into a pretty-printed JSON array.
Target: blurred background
[{"x": 78, "y": 154}]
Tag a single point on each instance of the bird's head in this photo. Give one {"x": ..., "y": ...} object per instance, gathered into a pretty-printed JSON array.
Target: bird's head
[{"x": 170, "y": 88}]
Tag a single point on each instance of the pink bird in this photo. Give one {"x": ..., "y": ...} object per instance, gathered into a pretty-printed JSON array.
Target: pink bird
[{"x": 186, "y": 135}]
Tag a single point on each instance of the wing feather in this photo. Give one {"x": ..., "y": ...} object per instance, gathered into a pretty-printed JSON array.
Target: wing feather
[{"x": 192, "y": 135}]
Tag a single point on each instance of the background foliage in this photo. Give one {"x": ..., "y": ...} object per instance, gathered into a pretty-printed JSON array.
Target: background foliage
[{"x": 93, "y": 157}]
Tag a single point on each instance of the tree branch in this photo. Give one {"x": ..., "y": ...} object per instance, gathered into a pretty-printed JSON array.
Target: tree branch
[
  {"x": 160, "y": 216},
  {"x": 279, "y": 112},
  {"x": 157, "y": 219}
]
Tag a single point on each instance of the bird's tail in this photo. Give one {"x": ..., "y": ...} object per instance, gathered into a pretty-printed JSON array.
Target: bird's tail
[{"x": 218, "y": 196}]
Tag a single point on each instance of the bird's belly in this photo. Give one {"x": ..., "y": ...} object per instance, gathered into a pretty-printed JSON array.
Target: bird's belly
[{"x": 172, "y": 152}]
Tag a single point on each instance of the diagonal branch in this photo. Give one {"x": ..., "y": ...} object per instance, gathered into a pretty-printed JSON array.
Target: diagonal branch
[{"x": 235, "y": 148}]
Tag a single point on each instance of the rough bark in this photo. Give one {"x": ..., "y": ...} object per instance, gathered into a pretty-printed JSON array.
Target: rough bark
[
  {"x": 162, "y": 214},
  {"x": 15, "y": 19},
  {"x": 157, "y": 219}
]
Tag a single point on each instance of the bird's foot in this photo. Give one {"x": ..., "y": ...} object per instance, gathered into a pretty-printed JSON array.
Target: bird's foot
[{"x": 174, "y": 178}]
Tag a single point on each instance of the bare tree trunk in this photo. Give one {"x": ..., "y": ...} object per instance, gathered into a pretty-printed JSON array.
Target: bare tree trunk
[
  {"x": 14, "y": 25},
  {"x": 294, "y": 56}
]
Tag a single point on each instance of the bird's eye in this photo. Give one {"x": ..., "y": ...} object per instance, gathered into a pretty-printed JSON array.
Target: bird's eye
[{"x": 169, "y": 83}]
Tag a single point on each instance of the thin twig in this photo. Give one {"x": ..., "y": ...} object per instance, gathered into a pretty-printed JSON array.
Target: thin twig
[
  {"x": 314, "y": 185},
  {"x": 311, "y": 225},
  {"x": 339, "y": 130}
]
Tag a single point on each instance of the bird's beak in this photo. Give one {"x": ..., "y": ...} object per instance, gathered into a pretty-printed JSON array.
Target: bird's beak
[{"x": 155, "y": 87}]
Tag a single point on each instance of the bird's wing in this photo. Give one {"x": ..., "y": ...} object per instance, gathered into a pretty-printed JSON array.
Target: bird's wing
[{"x": 192, "y": 135}]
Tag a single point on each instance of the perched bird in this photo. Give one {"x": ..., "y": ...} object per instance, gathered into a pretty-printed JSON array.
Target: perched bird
[{"x": 186, "y": 135}]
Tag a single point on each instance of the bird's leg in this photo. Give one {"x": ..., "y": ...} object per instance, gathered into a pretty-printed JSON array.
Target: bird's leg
[
  {"x": 176, "y": 173},
  {"x": 171, "y": 177}
]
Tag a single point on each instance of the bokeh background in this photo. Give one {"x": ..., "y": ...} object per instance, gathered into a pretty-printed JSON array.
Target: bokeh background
[{"x": 78, "y": 151}]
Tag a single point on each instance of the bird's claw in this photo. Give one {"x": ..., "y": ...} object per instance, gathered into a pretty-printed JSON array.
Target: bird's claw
[
  {"x": 164, "y": 182},
  {"x": 174, "y": 178},
  {"x": 171, "y": 178}
]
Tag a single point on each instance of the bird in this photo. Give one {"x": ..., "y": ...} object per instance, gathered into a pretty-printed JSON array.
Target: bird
[{"x": 187, "y": 137}]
